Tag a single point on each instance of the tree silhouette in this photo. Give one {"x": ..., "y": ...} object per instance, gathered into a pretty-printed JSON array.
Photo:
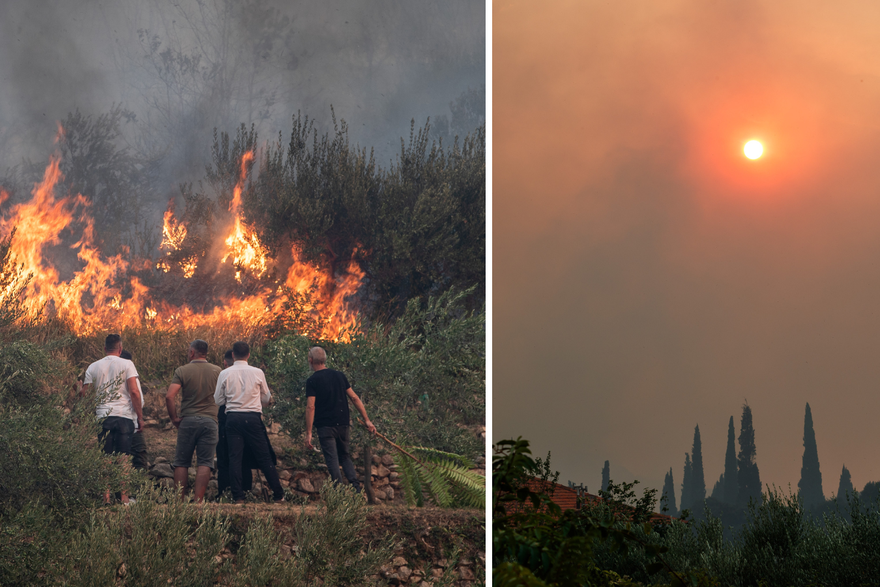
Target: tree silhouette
[
  {"x": 718, "y": 489},
  {"x": 686, "y": 484},
  {"x": 669, "y": 494},
  {"x": 846, "y": 486},
  {"x": 748, "y": 477},
  {"x": 730, "y": 488},
  {"x": 698, "y": 481},
  {"x": 810, "y": 485}
]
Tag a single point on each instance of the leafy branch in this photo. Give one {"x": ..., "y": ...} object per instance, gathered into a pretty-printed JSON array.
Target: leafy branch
[{"x": 445, "y": 477}]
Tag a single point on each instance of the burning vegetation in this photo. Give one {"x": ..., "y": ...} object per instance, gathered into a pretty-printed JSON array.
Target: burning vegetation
[
  {"x": 312, "y": 236},
  {"x": 235, "y": 278}
]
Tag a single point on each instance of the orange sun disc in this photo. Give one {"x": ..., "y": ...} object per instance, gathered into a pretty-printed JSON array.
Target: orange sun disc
[{"x": 753, "y": 149}]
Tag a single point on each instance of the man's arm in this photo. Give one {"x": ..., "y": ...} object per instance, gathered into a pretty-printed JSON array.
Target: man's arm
[
  {"x": 220, "y": 391},
  {"x": 170, "y": 396},
  {"x": 310, "y": 419},
  {"x": 360, "y": 408},
  {"x": 136, "y": 401},
  {"x": 265, "y": 394}
]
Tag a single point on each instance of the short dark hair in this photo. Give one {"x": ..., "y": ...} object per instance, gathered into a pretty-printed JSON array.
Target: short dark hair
[
  {"x": 199, "y": 346},
  {"x": 125, "y": 355},
  {"x": 241, "y": 350},
  {"x": 112, "y": 342},
  {"x": 227, "y": 356}
]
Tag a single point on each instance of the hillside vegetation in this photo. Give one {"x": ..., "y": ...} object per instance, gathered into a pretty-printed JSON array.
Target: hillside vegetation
[{"x": 416, "y": 357}]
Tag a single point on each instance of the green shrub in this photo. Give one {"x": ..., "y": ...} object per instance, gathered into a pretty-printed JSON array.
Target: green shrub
[
  {"x": 52, "y": 475},
  {"x": 258, "y": 562},
  {"x": 24, "y": 539},
  {"x": 156, "y": 541},
  {"x": 52, "y": 458},
  {"x": 422, "y": 379},
  {"x": 24, "y": 369},
  {"x": 330, "y": 545}
]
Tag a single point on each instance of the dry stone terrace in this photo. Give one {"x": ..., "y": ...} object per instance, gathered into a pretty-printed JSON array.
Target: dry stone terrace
[{"x": 435, "y": 546}]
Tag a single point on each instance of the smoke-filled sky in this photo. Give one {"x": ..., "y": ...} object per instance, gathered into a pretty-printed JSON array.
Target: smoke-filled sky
[
  {"x": 184, "y": 67},
  {"x": 647, "y": 276}
]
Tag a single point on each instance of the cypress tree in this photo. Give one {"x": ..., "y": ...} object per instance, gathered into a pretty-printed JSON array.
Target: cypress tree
[
  {"x": 810, "y": 485},
  {"x": 686, "y": 497},
  {"x": 748, "y": 477},
  {"x": 698, "y": 481},
  {"x": 846, "y": 487},
  {"x": 718, "y": 489},
  {"x": 730, "y": 487},
  {"x": 606, "y": 476},
  {"x": 669, "y": 494}
]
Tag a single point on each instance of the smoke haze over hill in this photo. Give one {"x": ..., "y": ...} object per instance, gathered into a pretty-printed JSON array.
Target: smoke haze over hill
[{"x": 181, "y": 69}]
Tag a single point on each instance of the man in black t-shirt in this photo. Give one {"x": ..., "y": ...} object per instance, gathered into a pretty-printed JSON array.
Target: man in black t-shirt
[{"x": 327, "y": 395}]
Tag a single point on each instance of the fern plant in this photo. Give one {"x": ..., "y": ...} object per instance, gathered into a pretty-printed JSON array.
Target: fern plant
[{"x": 445, "y": 478}]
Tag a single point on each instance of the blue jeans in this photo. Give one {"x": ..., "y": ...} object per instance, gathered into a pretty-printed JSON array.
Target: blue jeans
[{"x": 334, "y": 444}]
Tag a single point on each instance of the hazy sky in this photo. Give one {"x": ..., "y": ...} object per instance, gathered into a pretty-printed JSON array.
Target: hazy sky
[
  {"x": 187, "y": 66},
  {"x": 647, "y": 276}
]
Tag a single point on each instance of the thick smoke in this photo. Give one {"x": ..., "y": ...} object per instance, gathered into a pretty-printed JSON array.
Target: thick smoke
[
  {"x": 178, "y": 70},
  {"x": 671, "y": 279}
]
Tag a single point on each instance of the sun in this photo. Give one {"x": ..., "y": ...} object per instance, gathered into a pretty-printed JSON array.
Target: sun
[{"x": 753, "y": 149}]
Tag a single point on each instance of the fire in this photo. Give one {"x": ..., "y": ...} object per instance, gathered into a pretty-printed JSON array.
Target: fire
[
  {"x": 173, "y": 233},
  {"x": 243, "y": 245},
  {"x": 104, "y": 294}
]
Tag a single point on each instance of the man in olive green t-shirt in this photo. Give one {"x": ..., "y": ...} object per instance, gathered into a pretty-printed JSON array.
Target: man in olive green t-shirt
[{"x": 197, "y": 425}]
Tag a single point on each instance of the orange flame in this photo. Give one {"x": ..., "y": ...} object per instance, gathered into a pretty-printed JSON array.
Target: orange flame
[
  {"x": 242, "y": 244},
  {"x": 103, "y": 295},
  {"x": 173, "y": 235}
]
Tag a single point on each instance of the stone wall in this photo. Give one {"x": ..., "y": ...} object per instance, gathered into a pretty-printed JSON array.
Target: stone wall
[{"x": 436, "y": 546}]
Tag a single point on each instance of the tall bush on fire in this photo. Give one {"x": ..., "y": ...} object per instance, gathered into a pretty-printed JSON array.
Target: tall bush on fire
[{"x": 417, "y": 228}]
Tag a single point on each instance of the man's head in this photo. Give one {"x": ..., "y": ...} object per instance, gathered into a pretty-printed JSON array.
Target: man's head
[
  {"x": 198, "y": 349},
  {"x": 241, "y": 351},
  {"x": 317, "y": 358},
  {"x": 228, "y": 359},
  {"x": 125, "y": 355},
  {"x": 113, "y": 344}
]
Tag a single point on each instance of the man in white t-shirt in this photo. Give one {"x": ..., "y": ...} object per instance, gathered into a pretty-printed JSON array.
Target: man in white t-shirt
[{"x": 120, "y": 404}]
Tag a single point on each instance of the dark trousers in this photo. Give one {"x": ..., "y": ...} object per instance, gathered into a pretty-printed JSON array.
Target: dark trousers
[
  {"x": 115, "y": 434},
  {"x": 223, "y": 479},
  {"x": 245, "y": 429},
  {"x": 139, "y": 451},
  {"x": 334, "y": 444}
]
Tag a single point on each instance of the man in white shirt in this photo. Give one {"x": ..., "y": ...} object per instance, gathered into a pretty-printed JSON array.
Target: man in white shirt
[
  {"x": 119, "y": 402},
  {"x": 244, "y": 392}
]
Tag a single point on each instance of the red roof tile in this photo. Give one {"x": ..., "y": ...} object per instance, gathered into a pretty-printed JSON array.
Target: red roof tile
[{"x": 567, "y": 498}]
